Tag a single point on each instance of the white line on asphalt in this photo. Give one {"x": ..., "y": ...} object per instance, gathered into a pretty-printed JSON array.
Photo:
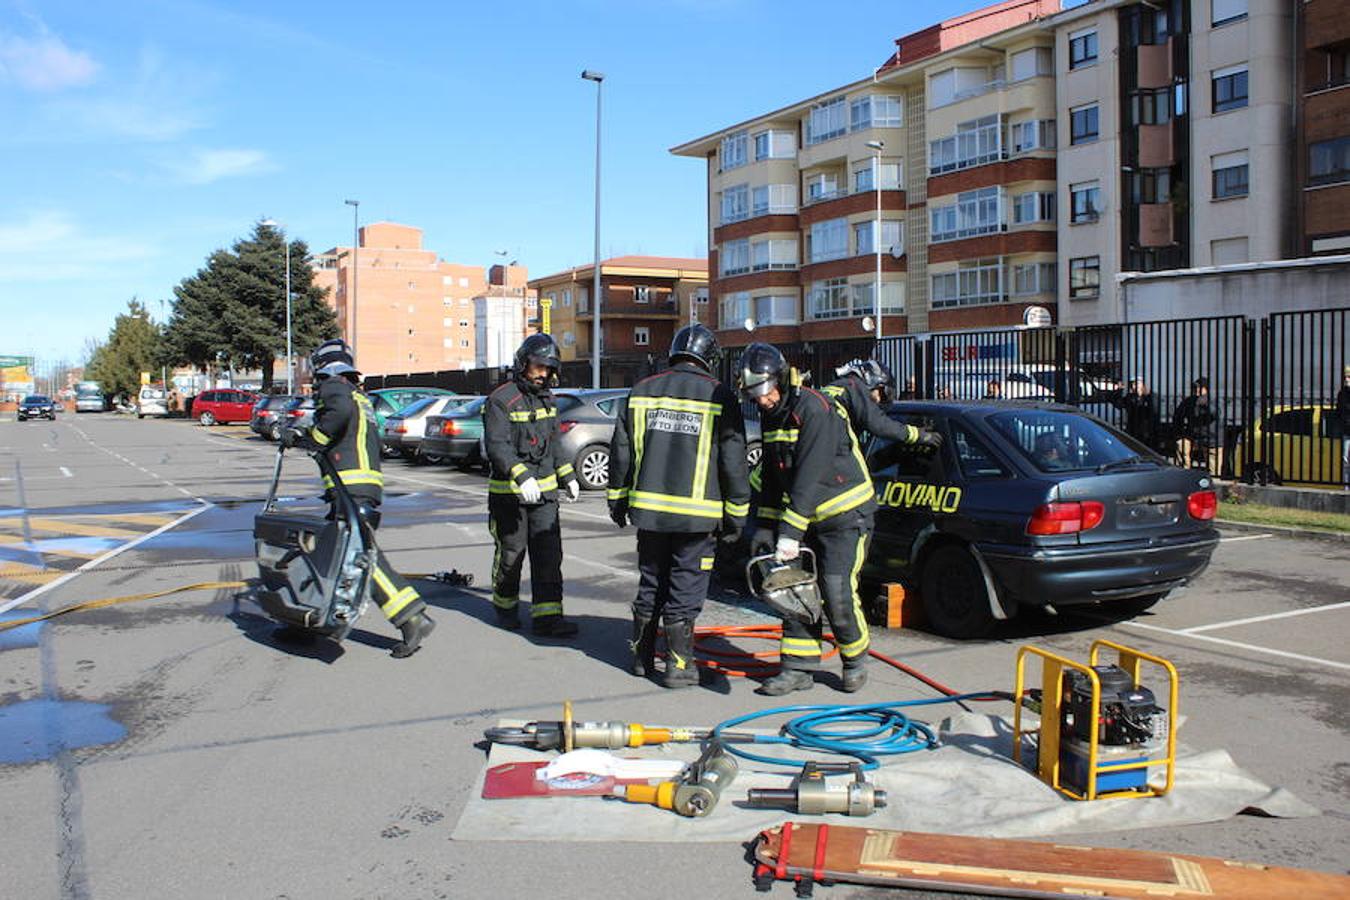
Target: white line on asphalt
[
  {"x": 599, "y": 565},
  {"x": 1280, "y": 615},
  {"x": 65, "y": 472},
  {"x": 1253, "y": 647},
  {"x": 1244, "y": 537},
  {"x": 23, "y": 598}
]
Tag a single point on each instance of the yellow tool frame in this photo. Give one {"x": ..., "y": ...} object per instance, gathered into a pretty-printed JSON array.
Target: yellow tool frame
[{"x": 1052, "y": 698}]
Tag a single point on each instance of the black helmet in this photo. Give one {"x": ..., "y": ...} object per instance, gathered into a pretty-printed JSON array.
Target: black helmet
[
  {"x": 874, "y": 375},
  {"x": 763, "y": 368},
  {"x": 332, "y": 358},
  {"x": 697, "y": 344},
  {"x": 539, "y": 349}
]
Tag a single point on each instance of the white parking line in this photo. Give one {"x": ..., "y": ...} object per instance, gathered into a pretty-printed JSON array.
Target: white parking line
[
  {"x": 1280, "y": 615},
  {"x": 1244, "y": 537},
  {"x": 66, "y": 472},
  {"x": 1252, "y": 647}
]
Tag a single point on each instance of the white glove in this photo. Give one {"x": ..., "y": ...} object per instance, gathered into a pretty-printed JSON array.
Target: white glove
[
  {"x": 787, "y": 549},
  {"x": 529, "y": 492},
  {"x": 573, "y": 490}
]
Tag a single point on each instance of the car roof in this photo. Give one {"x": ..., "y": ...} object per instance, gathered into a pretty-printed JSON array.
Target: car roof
[{"x": 979, "y": 407}]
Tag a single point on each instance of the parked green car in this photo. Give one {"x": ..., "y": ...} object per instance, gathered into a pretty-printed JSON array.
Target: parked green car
[
  {"x": 388, "y": 401},
  {"x": 456, "y": 435}
]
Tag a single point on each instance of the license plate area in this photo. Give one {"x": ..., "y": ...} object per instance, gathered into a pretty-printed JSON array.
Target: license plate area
[{"x": 1147, "y": 512}]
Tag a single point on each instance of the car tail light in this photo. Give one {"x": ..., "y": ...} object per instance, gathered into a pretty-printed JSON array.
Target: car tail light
[
  {"x": 451, "y": 427},
  {"x": 1066, "y": 518},
  {"x": 566, "y": 425},
  {"x": 1203, "y": 505},
  {"x": 400, "y": 428},
  {"x": 295, "y": 413}
]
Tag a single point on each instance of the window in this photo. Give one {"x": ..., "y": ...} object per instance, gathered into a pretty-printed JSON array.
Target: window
[
  {"x": 941, "y": 88},
  {"x": 734, "y": 148},
  {"x": 1230, "y": 174},
  {"x": 463, "y": 323},
  {"x": 1083, "y": 124},
  {"x": 463, "y": 282},
  {"x": 567, "y": 297},
  {"x": 465, "y": 301},
  {"x": 773, "y": 198},
  {"x": 1225, "y": 11},
  {"x": 1152, "y": 107},
  {"x": 775, "y": 145},
  {"x": 775, "y": 310},
  {"x": 735, "y": 309},
  {"x": 735, "y": 203},
  {"x": 583, "y": 299},
  {"x": 1033, "y": 278},
  {"x": 892, "y": 298},
  {"x": 1329, "y": 161},
  {"x": 960, "y": 83},
  {"x": 974, "y": 282},
  {"x": 735, "y": 257},
  {"x": 829, "y": 240},
  {"x": 975, "y": 457},
  {"x": 1085, "y": 199},
  {"x": 823, "y": 186},
  {"x": 1032, "y": 62},
  {"x": 774, "y": 253},
  {"x": 1036, "y": 134},
  {"x": 447, "y": 322},
  {"x": 1151, "y": 186},
  {"x": 464, "y": 343},
  {"x": 1035, "y": 206},
  {"x": 1082, "y": 48},
  {"x": 1057, "y": 441},
  {"x": 569, "y": 339},
  {"x": 863, "y": 176},
  {"x": 642, "y": 336},
  {"x": 826, "y": 121},
  {"x": 829, "y": 299},
  {"x": 876, "y": 112},
  {"x": 609, "y": 407},
  {"x": 975, "y": 143},
  {"x": 1230, "y": 88},
  {"x": 892, "y": 237},
  {"x": 1085, "y": 274},
  {"x": 974, "y": 213}
]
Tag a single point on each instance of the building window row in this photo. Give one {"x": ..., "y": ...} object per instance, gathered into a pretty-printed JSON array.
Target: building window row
[
  {"x": 961, "y": 83},
  {"x": 1230, "y": 88},
  {"x": 1229, "y": 174},
  {"x": 1029, "y": 279},
  {"x": 876, "y": 111},
  {"x": 1082, "y": 48},
  {"x": 974, "y": 283},
  {"x": 735, "y": 150},
  {"x": 773, "y": 199},
  {"x": 768, "y": 309},
  {"x": 864, "y": 175},
  {"x": 1151, "y": 186},
  {"x": 974, "y": 213},
  {"x": 1033, "y": 134},
  {"x": 829, "y": 240},
  {"x": 892, "y": 237},
  {"x": 1329, "y": 161},
  {"x": 1032, "y": 62},
  {"x": 826, "y": 121},
  {"x": 1083, "y": 124},
  {"x": 1085, "y": 201},
  {"x": 835, "y": 298},
  {"x": 1033, "y": 206},
  {"x": 1085, "y": 277},
  {"x": 975, "y": 143},
  {"x": 735, "y": 203},
  {"x": 775, "y": 144}
]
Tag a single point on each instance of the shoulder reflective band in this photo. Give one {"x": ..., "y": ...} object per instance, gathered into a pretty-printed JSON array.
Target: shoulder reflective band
[
  {"x": 782, "y": 435},
  {"x": 678, "y": 403},
  {"x": 532, "y": 415},
  {"x": 833, "y": 390}
]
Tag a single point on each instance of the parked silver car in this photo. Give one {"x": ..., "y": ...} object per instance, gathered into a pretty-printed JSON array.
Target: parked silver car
[
  {"x": 586, "y": 420},
  {"x": 404, "y": 430}
]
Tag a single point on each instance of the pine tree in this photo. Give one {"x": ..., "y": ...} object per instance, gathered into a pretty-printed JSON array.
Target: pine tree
[{"x": 134, "y": 346}]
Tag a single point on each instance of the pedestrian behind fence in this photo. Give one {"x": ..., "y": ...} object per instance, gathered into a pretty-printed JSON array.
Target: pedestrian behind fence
[
  {"x": 1195, "y": 424},
  {"x": 1141, "y": 412},
  {"x": 1343, "y": 420}
]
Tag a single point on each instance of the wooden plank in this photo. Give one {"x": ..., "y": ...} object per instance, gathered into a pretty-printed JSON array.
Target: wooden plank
[{"x": 1028, "y": 868}]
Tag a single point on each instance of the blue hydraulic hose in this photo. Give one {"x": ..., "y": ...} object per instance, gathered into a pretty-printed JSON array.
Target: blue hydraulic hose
[{"x": 866, "y": 732}]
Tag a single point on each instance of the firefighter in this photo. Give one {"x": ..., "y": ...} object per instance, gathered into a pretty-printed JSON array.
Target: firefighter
[
  {"x": 864, "y": 389},
  {"x": 524, "y": 448},
  {"x": 345, "y": 430},
  {"x": 677, "y": 471},
  {"x": 815, "y": 489}
]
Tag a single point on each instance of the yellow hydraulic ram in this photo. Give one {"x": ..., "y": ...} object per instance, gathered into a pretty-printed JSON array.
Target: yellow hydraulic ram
[{"x": 569, "y": 734}]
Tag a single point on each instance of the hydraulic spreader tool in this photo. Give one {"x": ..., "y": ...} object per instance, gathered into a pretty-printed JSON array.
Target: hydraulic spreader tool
[
  {"x": 695, "y": 792},
  {"x": 569, "y": 734},
  {"x": 811, "y": 795}
]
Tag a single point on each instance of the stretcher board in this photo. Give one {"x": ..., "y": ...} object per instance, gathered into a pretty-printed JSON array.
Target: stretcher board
[{"x": 1010, "y": 868}]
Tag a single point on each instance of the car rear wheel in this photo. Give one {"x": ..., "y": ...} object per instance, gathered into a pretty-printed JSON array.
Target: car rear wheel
[
  {"x": 955, "y": 596},
  {"x": 274, "y": 432},
  {"x": 207, "y": 418},
  {"x": 592, "y": 467}
]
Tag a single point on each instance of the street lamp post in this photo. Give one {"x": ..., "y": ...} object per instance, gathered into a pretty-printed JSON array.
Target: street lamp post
[
  {"x": 501, "y": 309},
  {"x": 876, "y": 147},
  {"x": 290, "y": 353},
  {"x": 597, "y": 77},
  {"x": 356, "y": 247}
]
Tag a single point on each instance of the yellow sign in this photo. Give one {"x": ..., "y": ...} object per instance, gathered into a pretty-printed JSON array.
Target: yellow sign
[
  {"x": 145, "y": 378},
  {"x": 904, "y": 495},
  {"x": 547, "y": 323}
]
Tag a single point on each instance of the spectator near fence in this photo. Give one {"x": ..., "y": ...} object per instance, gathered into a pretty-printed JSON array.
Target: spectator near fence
[
  {"x": 1198, "y": 430},
  {"x": 1141, "y": 411},
  {"x": 1343, "y": 419}
]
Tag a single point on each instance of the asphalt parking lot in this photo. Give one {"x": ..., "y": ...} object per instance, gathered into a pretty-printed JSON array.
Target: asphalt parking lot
[{"x": 222, "y": 762}]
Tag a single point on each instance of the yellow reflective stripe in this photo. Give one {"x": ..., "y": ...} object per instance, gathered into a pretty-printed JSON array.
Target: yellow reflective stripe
[
  {"x": 782, "y": 435},
  {"x": 501, "y": 601},
  {"x": 351, "y": 477},
  {"x": 401, "y": 600},
  {"x": 687, "y": 506},
  {"x": 539, "y": 610},
  {"x": 517, "y": 469},
  {"x": 639, "y": 441},
  {"x": 565, "y": 469},
  {"x": 850, "y": 499},
  {"x": 677, "y": 403},
  {"x": 705, "y": 436},
  {"x": 796, "y": 519},
  {"x": 616, "y": 493},
  {"x": 858, "y": 647},
  {"x": 320, "y": 438},
  {"x": 833, "y": 390},
  {"x": 532, "y": 415},
  {"x": 911, "y": 434},
  {"x": 735, "y": 509},
  {"x": 769, "y": 512},
  {"x": 705, "y": 564},
  {"x": 362, "y": 455},
  {"x": 756, "y": 478},
  {"x": 798, "y": 647},
  {"x": 499, "y": 486}
]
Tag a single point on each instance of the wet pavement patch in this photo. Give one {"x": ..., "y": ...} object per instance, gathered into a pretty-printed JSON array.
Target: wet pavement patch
[
  {"x": 36, "y": 730},
  {"x": 24, "y": 635}
]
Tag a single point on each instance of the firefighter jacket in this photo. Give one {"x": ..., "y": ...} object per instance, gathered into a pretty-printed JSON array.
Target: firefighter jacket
[
  {"x": 813, "y": 469},
  {"x": 864, "y": 414},
  {"x": 520, "y": 429},
  {"x": 677, "y": 458},
  {"x": 346, "y": 430}
]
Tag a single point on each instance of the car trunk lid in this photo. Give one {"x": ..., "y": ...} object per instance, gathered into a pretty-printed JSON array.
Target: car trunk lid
[{"x": 1147, "y": 500}]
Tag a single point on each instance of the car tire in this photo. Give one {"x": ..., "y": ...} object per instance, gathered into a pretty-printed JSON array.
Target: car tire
[
  {"x": 140, "y": 415},
  {"x": 753, "y": 453},
  {"x": 1133, "y": 606},
  {"x": 955, "y": 596},
  {"x": 592, "y": 467},
  {"x": 207, "y": 419},
  {"x": 273, "y": 433}
]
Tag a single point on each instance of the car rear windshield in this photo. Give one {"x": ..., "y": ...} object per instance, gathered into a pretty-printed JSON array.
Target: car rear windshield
[
  {"x": 473, "y": 408},
  {"x": 415, "y": 407},
  {"x": 1054, "y": 441}
]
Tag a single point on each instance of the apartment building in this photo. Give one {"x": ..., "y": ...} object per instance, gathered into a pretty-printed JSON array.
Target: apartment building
[
  {"x": 1323, "y": 158},
  {"x": 646, "y": 299},
  {"x": 502, "y": 314},
  {"x": 1018, "y": 156}
]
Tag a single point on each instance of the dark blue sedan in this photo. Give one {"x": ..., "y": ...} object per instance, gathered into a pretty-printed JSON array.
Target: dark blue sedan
[{"x": 37, "y": 406}]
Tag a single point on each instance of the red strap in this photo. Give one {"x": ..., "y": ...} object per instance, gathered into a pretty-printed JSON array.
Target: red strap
[
  {"x": 818, "y": 873},
  {"x": 781, "y": 870}
]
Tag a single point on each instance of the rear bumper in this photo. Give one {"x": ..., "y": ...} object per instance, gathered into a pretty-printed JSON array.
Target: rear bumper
[
  {"x": 1037, "y": 576},
  {"x": 455, "y": 448}
]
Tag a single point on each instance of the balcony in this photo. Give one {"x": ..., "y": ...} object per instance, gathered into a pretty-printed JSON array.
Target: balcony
[
  {"x": 627, "y": 309},
  {"x": 825, "y": 196}
]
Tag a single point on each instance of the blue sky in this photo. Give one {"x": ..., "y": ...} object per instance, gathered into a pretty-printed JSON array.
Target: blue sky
[{"x": 141, "y": 135}]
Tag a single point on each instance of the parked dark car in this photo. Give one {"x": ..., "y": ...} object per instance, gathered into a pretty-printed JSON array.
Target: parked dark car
[
  {"x": 298, "y": 413},
  {"x": 455, "y": 435},
  {"x": 224, "y": 406},
  {"x": 269, "y": 415},
  {"x": 586, "y": 420},
  {"x": 37, "y": 406},
  {"x": 1030, "y": 504},
  {"x": 403, "y": 431}
]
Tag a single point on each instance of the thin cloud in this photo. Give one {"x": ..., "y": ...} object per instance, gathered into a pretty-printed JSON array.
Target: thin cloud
[
  {"x": 49, "y": 246},
  {"x": 209, "y": 166},
  {"x": 44, "y": 63}
]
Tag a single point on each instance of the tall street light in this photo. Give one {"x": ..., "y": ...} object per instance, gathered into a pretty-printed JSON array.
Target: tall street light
[
  {"x": 876, "y": 147},
  {"x": 502, "y": 315},
  {"x": 356, "y": 246},
  {"x": 597, "y": 77},
  {"x": 290, "y": 369}
]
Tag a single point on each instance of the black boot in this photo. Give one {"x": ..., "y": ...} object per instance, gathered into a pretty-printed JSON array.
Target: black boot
[
  {"x": 855, "y": 674},
  {"x": 785, "y": 682},
  {"x": 508, "y": 618},
  {"x": 681, "y": 669},
  {"x": 414, "y": 630},
  {"x": 553, "y": 626},
  {"x": 643, "y": 644}
]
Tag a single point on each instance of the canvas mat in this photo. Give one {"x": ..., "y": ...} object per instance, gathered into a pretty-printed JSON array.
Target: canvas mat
[{"x": 969, "y": 785}]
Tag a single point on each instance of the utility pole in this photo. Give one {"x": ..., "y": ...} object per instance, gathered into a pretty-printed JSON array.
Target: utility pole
[
  {"x": 356, "y": 259},
  {"x": 598, "y": 78}
]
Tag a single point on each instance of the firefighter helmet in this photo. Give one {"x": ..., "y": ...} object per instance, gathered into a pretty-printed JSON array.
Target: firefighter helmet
[
  {"x": 540, "y": 350},
  {"x": 698, "y": 344},
  {"x": 763, "y": 367},
  {"x": 874, "y": 375},
  {"x": 333, "y": 357}
]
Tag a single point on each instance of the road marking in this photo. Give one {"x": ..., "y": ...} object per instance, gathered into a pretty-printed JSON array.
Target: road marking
[
  {"x": 66, "y": 472},
  {"x": 599, "y": 565},
  {"x": 1244, "y": 537},
  {"x": 57, "y": 525},
  {"x": 1227, "y": 643},
  {"x": 1280, "y": 615},
  {"x": 24, "y": 598}
]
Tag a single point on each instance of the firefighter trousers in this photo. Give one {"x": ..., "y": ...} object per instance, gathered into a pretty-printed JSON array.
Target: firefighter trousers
[
  {"x": 840, "y": 552},
  {"x": 516, "y": 528},
  {"x": 397, "y": 599},
  {"x": 673, "y": 572}
]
